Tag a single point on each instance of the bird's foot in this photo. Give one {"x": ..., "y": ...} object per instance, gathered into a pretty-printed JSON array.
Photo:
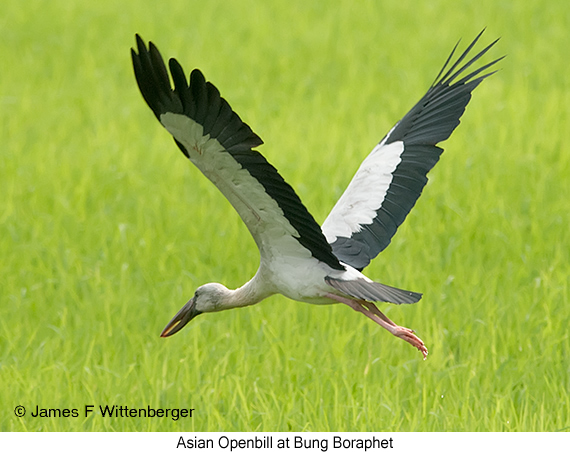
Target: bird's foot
[
  {"x": 399, "y": 331},
  {"x": 409, "y": 336}
]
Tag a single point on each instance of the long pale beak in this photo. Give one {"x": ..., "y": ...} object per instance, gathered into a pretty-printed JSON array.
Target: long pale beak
[{"x": 179, "y": 321}]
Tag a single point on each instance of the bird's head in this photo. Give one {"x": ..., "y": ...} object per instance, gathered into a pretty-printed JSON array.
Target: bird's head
[{"x": 207, "y": 298}]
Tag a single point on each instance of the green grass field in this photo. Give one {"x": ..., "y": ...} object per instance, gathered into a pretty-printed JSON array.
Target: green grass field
[{"x": 106, "y": 230}]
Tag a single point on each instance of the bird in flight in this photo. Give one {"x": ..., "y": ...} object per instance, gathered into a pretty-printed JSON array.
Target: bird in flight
[{"x": 299, "y": 259}]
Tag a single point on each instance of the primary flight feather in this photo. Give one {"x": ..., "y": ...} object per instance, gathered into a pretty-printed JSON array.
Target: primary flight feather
[{"x": 298, "y": 258}]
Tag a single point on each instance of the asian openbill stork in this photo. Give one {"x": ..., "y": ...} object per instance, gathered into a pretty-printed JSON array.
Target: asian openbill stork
[{"x": 298, "y": 258}]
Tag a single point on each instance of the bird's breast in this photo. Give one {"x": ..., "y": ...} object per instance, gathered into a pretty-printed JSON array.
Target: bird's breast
[{"x": 300, "y": 279}]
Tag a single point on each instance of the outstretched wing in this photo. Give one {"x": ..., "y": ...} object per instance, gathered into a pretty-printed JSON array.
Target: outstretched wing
[
  {"x": 216, "y": 140},
  {"x": 391, "y": 179}
]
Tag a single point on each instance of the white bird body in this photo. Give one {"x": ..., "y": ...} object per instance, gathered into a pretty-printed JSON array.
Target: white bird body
[
  {"x": 298, "y": 259},
  {"x": 286, "y": 267}
]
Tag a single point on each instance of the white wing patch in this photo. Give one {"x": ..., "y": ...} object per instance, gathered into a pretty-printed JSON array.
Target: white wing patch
[{"x": 365, "y": 193}]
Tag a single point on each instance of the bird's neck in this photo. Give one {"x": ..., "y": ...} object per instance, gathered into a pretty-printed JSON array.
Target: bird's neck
[
  {"x": 250, "y": 293},
  {"x": 245, "y": 295}
]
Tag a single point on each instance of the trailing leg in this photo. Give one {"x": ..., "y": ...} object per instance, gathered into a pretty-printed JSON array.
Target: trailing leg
[{"x": 371, "y": 311}]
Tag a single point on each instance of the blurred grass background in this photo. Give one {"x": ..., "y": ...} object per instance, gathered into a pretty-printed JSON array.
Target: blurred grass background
[{"x": 106, "y": 230}]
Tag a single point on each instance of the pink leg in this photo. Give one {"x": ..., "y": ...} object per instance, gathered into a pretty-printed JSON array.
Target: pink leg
[{"x": 371, "y": 311}]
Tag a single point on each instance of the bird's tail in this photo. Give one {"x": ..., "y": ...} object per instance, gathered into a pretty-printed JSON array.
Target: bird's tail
[{"x": 372, "y": 291}]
